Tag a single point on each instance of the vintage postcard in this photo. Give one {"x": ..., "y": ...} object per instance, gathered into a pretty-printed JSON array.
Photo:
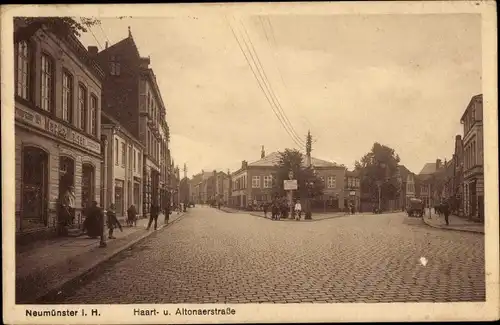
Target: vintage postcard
[{"x": 250, "y": 162}]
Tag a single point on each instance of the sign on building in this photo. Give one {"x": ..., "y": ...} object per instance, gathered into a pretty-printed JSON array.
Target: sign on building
[{"x": 290, "y": 184}]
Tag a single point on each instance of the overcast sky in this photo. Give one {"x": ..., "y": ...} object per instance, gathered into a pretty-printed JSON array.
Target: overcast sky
[{"x": 401, "y": 80}]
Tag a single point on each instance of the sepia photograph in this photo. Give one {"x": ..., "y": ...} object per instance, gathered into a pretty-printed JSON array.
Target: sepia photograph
[{"x": 215, "y": 157}]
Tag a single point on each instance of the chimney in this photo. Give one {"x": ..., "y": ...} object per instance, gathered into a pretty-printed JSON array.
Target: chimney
[
  {"x": 106, "y": 45},
  {"x": 262, "y": 153},
  {"x": 92, "y": 50},
  {"x": 438, "y": 164},
  {"x": 244, "y": 164},
  {"x": 144, "y": 63}
]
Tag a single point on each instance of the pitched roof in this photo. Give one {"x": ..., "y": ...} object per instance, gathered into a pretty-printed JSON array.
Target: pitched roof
[
  {"x": 273, "y": 158},
  {"x": 428, "y": 169}
]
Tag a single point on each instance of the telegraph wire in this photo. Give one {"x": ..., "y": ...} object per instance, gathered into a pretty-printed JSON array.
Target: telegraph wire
[
  {"x": 271, "y": 30},
  {"x": 268, "y": 85},
  {"x": 104, "y": 33},
  {"x": 92, "y": 32},
  {"x": 258, "y": 81}
]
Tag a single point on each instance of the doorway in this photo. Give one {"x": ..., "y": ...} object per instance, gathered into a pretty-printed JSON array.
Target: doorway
[
  {"x": 119, "y": 197},
  {"x": 34, "y": 188},
  {"x": 88, "y": 184}
]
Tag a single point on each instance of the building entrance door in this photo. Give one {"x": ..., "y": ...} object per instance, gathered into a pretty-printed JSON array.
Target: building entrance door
[
  {"x": 88, "y": 185},
  {"x": 34, "y": 188},
  {"x": 119, "y": 198}
]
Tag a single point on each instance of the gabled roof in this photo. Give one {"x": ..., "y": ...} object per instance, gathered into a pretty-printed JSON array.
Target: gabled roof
[
  {"x": 428, "y": 169},
  {"x": 273, "y": 158},
  {"x": 352, "y": 173}
]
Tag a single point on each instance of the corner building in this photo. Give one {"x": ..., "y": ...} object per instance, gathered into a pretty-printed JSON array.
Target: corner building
[{"x": 57, "y": 128}]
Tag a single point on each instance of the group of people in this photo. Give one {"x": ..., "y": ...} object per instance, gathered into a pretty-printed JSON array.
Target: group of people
[{"x": 280, "y": 208}]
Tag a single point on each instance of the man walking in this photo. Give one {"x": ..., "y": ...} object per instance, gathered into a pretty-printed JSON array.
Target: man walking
[
  {"x": 112, "y": 221},
  {"x": 153, "y": 215},
  {"x": 445, "y": 209}
]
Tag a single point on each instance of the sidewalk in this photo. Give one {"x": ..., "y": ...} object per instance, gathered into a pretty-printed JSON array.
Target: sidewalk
[
  {"x": 456, "y": 223},
  {"x": 54, "y": 263}
]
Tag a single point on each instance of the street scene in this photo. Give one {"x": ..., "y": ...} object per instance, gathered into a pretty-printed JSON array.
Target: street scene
[{"x": 252, "y": 159}]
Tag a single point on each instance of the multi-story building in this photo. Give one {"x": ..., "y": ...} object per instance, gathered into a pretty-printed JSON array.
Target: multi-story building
[
  {"x": 458, "y": 161},
  {"x": 255, "y": 181},
  {"x": 431, "y": 180},
  {"x": 58, "y": 88},
  {"x": 352, "y": 188},
  {"x": 133, "y": 98},
  {"x": 408, "y": 188},
  {"x": 124, "y": 166},
  {"x": 473, "y": 173}
]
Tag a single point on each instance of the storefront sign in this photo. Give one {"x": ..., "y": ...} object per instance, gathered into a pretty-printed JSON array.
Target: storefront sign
[
  {"x": 352, "y": 193},
  {"x": 57, "y": 129},
  {"x": 290, "y": 185},
  {"x": 31, "y": 118}
]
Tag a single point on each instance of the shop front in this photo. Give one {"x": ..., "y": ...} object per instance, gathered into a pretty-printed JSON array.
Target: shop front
[{"x": 52, "y": 158}]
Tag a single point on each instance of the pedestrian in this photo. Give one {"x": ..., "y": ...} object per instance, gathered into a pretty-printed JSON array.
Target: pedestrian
[
  {"x": 153, "y": 215},
  {"x": 352, "y": 208},
  {"x": 93, "y": 221},
  {"x": 167, "y": 214},
  {"x": 445, "y": 210},
  {"x": 298, "y": 210},
  {"x": 264, "y": 207},
  {"x": 132, "y": 216},
  {"x": 112, "y": 221}
]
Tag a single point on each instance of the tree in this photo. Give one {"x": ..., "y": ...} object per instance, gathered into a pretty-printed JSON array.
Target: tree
[
  {"x": 292, "y": 159},
  {"x": 308, "y": 143},
  {"x": 379, "y": 168},
  {"x": 26, "y": 27}
]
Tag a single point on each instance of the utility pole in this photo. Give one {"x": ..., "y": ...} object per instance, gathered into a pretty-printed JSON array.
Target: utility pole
[{"x": 308, "y": 214}]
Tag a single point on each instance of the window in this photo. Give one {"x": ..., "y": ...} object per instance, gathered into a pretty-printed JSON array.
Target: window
[
  {"x": 268, "y": 181},
  {"x": 82, "y": 107},
  {"x": 331, "y": 182},
  {"x": 138, "y": 161},
  {"x": 23, "y": 75},
  {"x": 67, "y": 97},
  {"x": 135, "y": 161},
  {"x": 114, "y": 65},
  {"x": 116, "y": 152},
  {"x": 124, "y": 154},
  {"x": 47, "y": 79},
  {"x": 130, "y": 154},
  {"x": 93, "y": 115},
  {"x": 473, "y": 153},
  {"x": 255, "y": 181}
]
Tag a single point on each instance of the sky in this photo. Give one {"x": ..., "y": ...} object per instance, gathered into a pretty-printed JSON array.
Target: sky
[{"x": 352, "y": 80}]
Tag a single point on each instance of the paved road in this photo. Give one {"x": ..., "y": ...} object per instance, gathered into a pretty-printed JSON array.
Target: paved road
[{"x": 212, "y": 256}]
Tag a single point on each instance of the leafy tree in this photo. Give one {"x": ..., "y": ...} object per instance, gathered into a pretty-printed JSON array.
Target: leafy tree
[
  {"x": 379, "y": 167},
  {"x": 292, "y": 159},
  {"x": 308, "y": 143},
  {"x": 26, "y": 27}
]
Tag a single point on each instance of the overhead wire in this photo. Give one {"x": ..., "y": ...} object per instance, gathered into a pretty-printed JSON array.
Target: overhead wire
[
  {"x": 260, "y": 85},
  {"x": 269, "y": 87}
]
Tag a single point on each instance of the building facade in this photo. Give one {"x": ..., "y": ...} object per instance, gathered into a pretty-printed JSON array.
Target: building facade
[
  {"x": 408, "y": 186},
  {"x": 352, "y": 190},
  {"x": 255, "y": 182},
  {"x": 132, "y": 97},
  {"x": 57, "y": 127},
  {"x": 124, "y": 167},
  {"x": 473, "y": 172}
]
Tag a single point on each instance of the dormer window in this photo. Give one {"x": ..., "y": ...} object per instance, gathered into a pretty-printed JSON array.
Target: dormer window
[{"x": 114, "y": 65}]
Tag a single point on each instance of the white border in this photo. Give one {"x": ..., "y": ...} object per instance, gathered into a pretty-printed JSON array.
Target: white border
[{"x": 115, "y": 314}]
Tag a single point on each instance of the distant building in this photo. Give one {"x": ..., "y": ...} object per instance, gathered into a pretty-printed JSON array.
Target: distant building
[
  {"x": 408, "y": 188},
  {"x": 255, "y": 181},
  {"x": 473, "y": 172},
  {"x": 352, "y": 186},
  {"x": 431, "y": 179}
]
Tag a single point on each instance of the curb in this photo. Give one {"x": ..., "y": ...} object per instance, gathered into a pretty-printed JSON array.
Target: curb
[
  {"x": 452, "y": 229},
  {"x": 55, "y": 289}
]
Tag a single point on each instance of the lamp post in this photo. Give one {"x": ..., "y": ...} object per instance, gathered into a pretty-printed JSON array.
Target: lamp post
[{"x": 290, "y": 193}]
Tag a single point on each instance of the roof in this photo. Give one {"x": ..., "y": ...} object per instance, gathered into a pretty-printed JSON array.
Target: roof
[
  {"x": 429, "y": 168},
  {"x": 352, "y": 173},
  {"x": 273, "y": 158},
  {"x": 477, "y": 98}
]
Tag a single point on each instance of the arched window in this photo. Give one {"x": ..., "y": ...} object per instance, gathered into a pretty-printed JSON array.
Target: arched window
[
  {"x": 24, "y": 66},
  {"x": 93, "y": 115},
  {"x": 47, "y": 83},
  {"x": 67, "y": 97},
  {"x": 82, "y": 107}
]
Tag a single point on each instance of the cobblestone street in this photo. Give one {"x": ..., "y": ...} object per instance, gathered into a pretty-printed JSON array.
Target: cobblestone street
[{"x": 215, "y": 257}]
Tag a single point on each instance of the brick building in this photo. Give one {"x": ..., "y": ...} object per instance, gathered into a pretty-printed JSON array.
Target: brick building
[
  {"x": 133, "y": 98},
  {"x": 57, "y": 127},
  {"x": 473, "y": 170},
  {"x": 255, "y": 181},
  {"x": 352, "y": 188}
]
